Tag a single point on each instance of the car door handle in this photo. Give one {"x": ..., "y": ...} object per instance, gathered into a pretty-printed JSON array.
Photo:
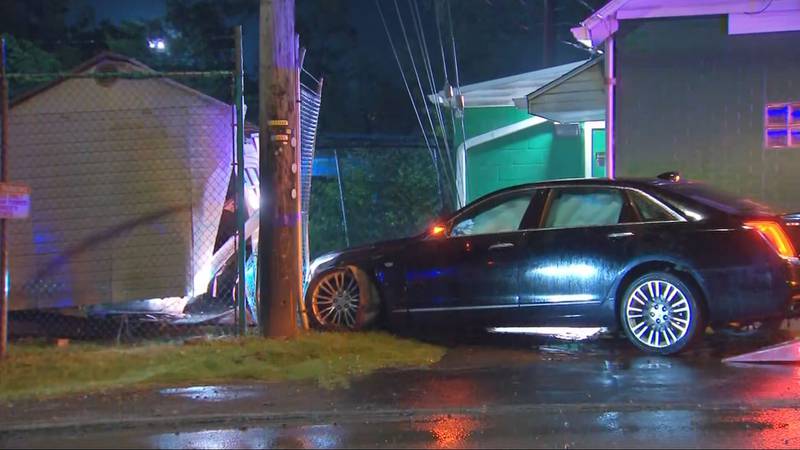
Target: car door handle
[
  {"x": 620, "y": 235},
  {"x": 501, "y": 245}
]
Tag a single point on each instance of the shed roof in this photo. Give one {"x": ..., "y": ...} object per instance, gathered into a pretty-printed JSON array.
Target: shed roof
[
  {"x": 90, "y": 65},
  {"x": 576, "y": 96}
]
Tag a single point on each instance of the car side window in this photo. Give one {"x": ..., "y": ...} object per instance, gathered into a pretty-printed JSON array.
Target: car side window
[
  {"x": 584, "y": 207},
  {"x": 649, "y": 210},
  {"x": 495, "y": 218}
]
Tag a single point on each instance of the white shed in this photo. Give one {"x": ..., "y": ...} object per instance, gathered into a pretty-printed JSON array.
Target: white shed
[{"x": 128, "y": 179}]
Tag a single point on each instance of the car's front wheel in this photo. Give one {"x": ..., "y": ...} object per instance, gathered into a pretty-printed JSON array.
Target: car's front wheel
[
  {"x": 660, "y": 313},
  {"x": 342, "y": 299}
]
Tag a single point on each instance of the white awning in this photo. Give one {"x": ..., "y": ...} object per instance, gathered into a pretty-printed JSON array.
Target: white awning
[
  {"x": 577, "y": 96},
  {"x": 503, "y": 91}
]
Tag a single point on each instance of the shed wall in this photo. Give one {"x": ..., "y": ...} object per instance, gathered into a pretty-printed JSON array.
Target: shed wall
[
  {"x": 128, "y": 183},
  {"x": 691, "y": 98}
]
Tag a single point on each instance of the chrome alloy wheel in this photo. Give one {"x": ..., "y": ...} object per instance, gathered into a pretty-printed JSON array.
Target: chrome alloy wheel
[
  {"x": 658, "y": 313},
  {"x": 336, "y": 298}
]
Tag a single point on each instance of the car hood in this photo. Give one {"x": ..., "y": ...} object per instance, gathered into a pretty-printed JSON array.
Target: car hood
[{"x": 354, "y": 255}]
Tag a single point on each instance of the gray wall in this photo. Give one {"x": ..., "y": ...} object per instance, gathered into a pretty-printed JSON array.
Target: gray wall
[{"x": 691, "y": 98}]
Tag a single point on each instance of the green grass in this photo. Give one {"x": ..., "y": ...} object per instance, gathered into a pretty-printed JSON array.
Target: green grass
[{"x": 40, "y": 371}]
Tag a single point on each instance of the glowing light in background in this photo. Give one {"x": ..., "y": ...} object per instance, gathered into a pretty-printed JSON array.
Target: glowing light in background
[
  {"x": 449, "y": 431},
  {"x": 157, "y": 44},
  {"x": 315, "y": 436},
  {"x": 321, "y": 436},
  {"x": 217, "y": 439}
]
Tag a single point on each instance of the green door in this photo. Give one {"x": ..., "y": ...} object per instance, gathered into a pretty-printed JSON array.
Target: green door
[{"x": 598, "y": 153}]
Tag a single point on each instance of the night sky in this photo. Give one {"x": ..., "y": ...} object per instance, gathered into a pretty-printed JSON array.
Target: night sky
[
  {"x": 370, "y": 32},
  {"x": 117, "y": 10},
  {"x": 496, "y": 38}
]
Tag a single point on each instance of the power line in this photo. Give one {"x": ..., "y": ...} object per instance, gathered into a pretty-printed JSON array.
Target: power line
[
  {"x": 414, "y": 65},
  {"x": 588, "y": 6},
  {"x": 458, "y": 82},
  {"x": 441, "y": 42},
  {"x": 419, "y": 85},
  {"x": 453, "y": 40},
  {"x": 410, "y": 95},
  {"x": 418, "y": 26},
  {"x": 439, "y": 25}
]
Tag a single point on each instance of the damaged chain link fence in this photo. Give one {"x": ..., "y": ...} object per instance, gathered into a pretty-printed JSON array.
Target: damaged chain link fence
[{"x": 131, "y": 233}]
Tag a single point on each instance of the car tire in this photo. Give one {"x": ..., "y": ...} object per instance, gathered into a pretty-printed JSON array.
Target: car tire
[
  {"x": 342, "y": 299},
  {"x": 660, "y": 313}
]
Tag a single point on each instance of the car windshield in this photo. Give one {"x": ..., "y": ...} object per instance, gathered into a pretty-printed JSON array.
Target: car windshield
[{"x": 718, "y": 199}]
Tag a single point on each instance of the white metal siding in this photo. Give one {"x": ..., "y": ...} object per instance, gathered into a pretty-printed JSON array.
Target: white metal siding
[{"x": 128, "y": 182}]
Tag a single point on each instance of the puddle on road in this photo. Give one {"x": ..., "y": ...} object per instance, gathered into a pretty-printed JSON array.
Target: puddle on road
[
  {"x": 713, "y": 346},
  {"x": 212, "y": 393},
  {"x": 312, "y": 436},
  {"x": 703, "y": 428}
]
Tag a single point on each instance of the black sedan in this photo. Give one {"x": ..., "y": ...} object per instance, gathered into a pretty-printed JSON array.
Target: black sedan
[{"x": 659, "y": 258}]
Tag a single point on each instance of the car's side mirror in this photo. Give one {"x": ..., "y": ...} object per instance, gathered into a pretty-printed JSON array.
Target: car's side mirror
[{"x": 437, "y": 230}]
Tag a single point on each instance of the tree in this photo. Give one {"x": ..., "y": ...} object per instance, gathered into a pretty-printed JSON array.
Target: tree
[
  {"x": 388, "y": 193},
  {"x": 26, "y": 57}
]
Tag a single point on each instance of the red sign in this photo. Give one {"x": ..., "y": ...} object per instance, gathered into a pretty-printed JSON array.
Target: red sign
[{"x": 15, "y": 201}]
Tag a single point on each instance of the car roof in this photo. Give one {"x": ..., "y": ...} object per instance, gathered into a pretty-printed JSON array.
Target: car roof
[{"x": 617, "y": 182}]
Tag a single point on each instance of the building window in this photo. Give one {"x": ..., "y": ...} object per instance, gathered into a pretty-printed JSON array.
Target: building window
[{"x": 782, "y": 125}]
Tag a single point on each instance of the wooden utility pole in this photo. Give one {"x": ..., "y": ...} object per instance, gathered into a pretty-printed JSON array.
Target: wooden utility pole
[
  {"x": 279, "y": 223},
  {"x": 241, "y": 216},
  {"x": 3, "y": 223}
]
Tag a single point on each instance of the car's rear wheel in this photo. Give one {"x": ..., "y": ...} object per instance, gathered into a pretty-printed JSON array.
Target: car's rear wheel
[
  {"x": 660, "y": 313},
  {"x": 342, "y": 299}
]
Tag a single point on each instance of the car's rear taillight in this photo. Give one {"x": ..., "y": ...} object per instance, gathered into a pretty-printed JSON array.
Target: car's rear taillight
[{"x": 774, "y": 233}]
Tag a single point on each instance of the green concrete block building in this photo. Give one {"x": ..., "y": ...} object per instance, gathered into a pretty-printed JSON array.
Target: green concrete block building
[{"x": 514, "y": 132}]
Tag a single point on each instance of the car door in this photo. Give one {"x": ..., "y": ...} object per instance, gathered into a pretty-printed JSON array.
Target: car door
[
  {"x": 584, "y": 238},
  {"x": 581, "y": 243},
  {"x": 473, "y": 268}
]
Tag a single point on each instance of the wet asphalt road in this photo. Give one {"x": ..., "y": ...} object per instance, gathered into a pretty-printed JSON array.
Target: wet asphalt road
[{"x": 509, "y": 392}]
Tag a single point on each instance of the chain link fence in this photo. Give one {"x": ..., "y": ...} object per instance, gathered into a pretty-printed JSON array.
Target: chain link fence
[
  {"x": 370, "y": 188},
  {"x": 131, "y": 233}
]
